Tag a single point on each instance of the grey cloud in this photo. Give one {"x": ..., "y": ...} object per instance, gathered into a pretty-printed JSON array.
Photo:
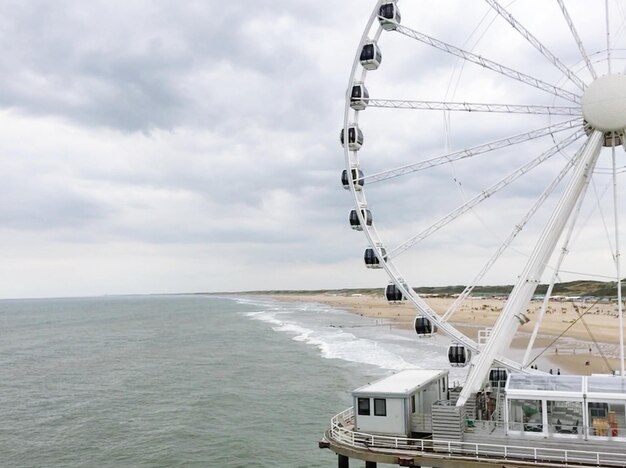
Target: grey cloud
[
  {"x": 213, "y": 127},
  {"x": 206, "y": 64},
  {"x": 41, "y": 205}
]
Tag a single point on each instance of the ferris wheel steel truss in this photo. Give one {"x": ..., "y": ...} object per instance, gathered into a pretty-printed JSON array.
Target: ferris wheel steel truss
[{"x": 579, "y": 167}]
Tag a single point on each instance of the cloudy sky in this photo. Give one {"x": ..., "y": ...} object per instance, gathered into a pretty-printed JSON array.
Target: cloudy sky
[{"x": 161, "y": 146}]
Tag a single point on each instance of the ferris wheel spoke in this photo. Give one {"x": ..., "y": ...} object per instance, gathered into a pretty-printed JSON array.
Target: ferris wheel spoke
[
  {"x": 579, "y": 43},
  {"x": 608, "y": 34},
  {"x": 454, "y": 214},
  {"x": 489, "y": 64},
  {"x": 473, "y": 107},
  {"x": 518, "y": 228},
  {"x": 469, "y": 152},
  {"x": 536, "y": 43},
  {"x": 623, "y": 25}
]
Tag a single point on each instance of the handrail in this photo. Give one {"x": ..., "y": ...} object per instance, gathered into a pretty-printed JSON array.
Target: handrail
[{"x": 346, "y": 436}]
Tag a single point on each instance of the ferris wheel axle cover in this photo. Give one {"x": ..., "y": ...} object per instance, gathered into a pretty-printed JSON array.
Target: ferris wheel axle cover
[{"x": 604, "y": 103}]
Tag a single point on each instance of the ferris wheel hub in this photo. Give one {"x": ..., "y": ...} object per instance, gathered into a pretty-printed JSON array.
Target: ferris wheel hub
[{"x": 604, "y": 103}]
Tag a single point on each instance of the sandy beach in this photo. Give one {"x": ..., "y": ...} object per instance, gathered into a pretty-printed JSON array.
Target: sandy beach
[{"x": 588, "y": 345}]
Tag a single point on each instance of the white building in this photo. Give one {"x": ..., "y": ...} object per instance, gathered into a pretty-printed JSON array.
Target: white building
[{"x": 401, "y": 403}]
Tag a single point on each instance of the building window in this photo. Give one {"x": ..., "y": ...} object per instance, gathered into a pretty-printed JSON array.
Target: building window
[
  {"x": 604, "y": 419},
  {"x": 412, "y": 403},
  {"x": 598, "y": 410},
  {"x": 380, "y": 407},
  {"x": 526, "y": 415},
  {"x": 364, "y": 406},
  {"x": 564, "y": 417}
]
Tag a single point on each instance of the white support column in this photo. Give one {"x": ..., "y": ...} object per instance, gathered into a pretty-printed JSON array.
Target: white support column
[
  {"x": 618, "y": 268},
  {"x": 544, "y": 416},
  {"x": 509, "y": 319},
  {"x": 546, "y": 299}
]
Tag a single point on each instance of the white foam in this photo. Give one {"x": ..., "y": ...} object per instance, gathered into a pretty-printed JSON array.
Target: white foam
[
  {"x": 345, "y": 346},
  {"x": 342, "y": 345},
  {"x": 267, "y": 317},
  {"x": 240, "y": 300},
  {"x": 262, "y": 302},
  {"x": 311, "y": 324},
  {"x": 302, "y": 334}
]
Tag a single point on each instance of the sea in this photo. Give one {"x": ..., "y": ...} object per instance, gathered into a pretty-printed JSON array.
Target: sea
[{"x": 186, "y": 380}]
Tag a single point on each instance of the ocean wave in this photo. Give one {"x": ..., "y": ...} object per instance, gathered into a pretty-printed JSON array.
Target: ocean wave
[
  {"x": 341, "y": 335},
  {"x": 257, "y": 301},
  {"x": 302, "y": 334},
  {"x": 347, "y": 347},
  {"x": 265, "y": 316},
  {"x": 343, "y": 345},
  {"x": 335, "y": 344}
]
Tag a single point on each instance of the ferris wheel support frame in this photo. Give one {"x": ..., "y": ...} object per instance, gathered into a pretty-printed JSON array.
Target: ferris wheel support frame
[
  {"x": 555, "y": 274},
  {"x": 511, "y": 317}
]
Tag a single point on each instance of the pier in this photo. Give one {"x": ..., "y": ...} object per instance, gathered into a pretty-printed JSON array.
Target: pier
[{"x": 486, "y": 447}]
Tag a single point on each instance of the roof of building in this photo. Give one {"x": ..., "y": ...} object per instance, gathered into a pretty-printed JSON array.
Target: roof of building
[
  {"x": 403, "y": 383},
  {"x": 594, "y": 386}
]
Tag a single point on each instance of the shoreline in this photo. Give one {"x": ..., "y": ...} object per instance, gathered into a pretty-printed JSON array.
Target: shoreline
[{"x": 574, "y": 353}]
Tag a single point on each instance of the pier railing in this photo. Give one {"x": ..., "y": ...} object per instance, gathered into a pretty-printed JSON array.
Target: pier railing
[{"x": 342, "y": 431}]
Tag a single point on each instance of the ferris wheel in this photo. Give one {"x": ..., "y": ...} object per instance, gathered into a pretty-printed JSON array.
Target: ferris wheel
[{"x": 530, "y": 130}]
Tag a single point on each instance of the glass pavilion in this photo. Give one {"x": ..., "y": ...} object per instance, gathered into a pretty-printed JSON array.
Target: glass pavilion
[{"x": 572, "y": 406}]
